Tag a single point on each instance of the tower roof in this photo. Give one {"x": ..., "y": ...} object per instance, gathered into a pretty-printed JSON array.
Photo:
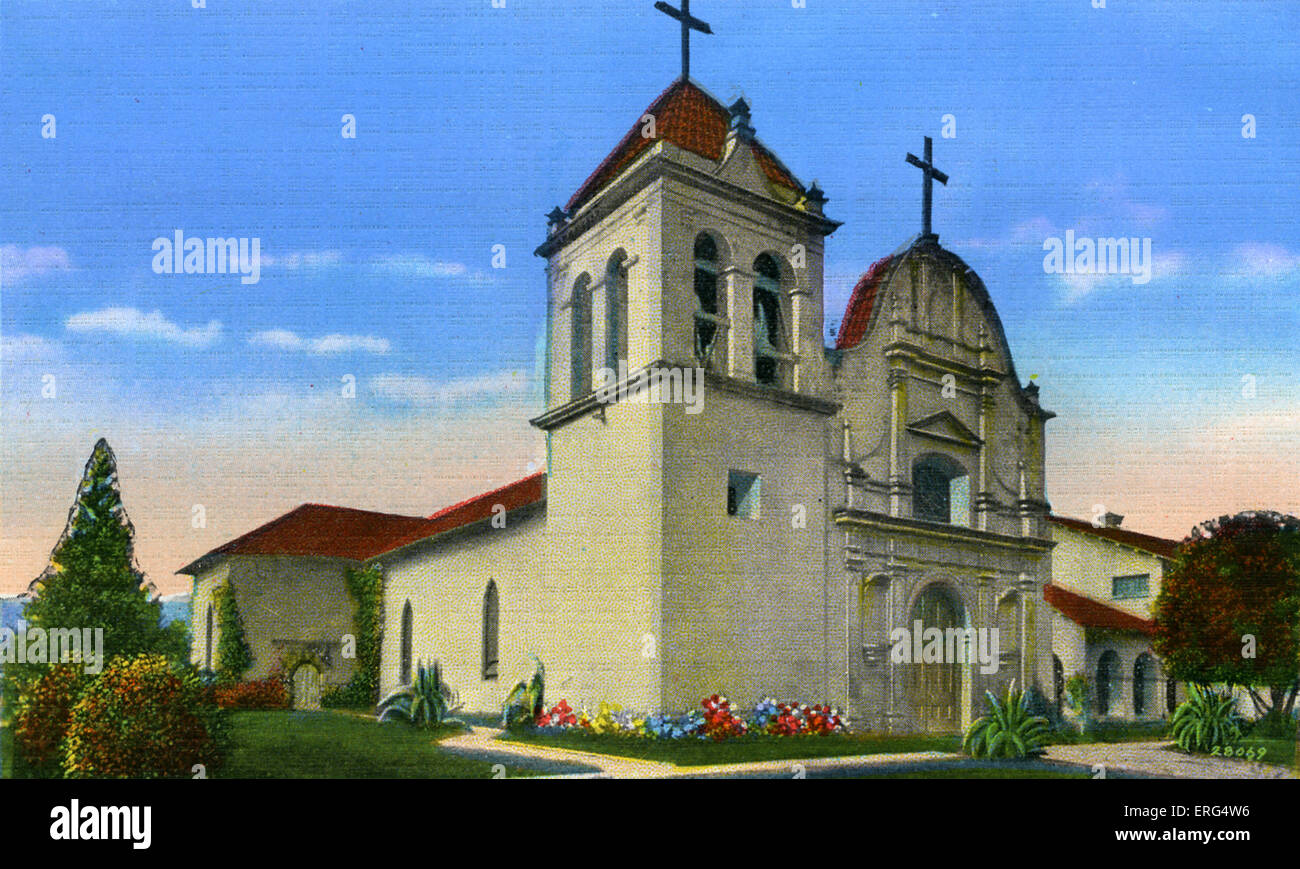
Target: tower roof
[
  {"x": 861, "y": 303},
  {"x": 692, "y": 119}
]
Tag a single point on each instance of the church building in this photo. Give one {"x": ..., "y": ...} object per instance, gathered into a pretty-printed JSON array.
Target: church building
[{"x": 799, "y": 533}]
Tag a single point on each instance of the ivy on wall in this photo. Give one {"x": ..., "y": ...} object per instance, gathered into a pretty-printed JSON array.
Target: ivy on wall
[
  {"x": 233, "y": 654},
  {"x": 366, "y": 588}
]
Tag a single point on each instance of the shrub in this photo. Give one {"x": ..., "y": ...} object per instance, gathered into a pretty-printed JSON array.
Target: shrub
[
  {"x": 1076, "y": 693},
  {"x": 142, "y": 719},
  {"x": 1009, "y": 730},
  {"x": 268, "y": 693},
  {"x": 43, "y": 711},
  {"x": 424, "y": 703},
  {"x": 1206, "y": 719},
  {"x": 356, "y": 693},
  {"x": 526, "y": 700}
]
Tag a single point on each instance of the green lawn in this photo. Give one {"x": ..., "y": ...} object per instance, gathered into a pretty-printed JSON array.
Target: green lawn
[
  {"x": 1109, "y": 732},
  {"x": 341, "y": 745},
  {"x": 697, "y": 752}
]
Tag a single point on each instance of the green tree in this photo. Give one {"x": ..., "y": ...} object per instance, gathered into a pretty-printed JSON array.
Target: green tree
[
  {"x": 1229, "y": 610},
  {"x": 93, "y": 580}
]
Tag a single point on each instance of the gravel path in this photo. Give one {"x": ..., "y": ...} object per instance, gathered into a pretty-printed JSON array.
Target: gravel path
[{"x": 1154, "y": 759}]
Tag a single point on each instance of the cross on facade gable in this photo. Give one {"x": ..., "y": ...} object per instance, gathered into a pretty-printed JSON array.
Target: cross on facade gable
[
  {"x": 929, "y": 174},
  {"x": 688, "y": 24}
]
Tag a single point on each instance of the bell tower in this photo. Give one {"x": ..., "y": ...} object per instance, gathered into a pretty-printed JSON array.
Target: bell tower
[{"x": 691, "y": 259}]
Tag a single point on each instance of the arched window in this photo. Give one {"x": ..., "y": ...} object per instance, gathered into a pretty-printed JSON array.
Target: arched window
[
  {"x": 1144, "y": 681},
  {"x": 207, "y": 655},
  {"x": 940, "y": 490},
  {"x": 580, "y": 338},
  {"x": 769, "y": 328},
  {"x": 615, "y": 310},
  {"x": 706, "y": 297},
  {"x": 1107, "y": 682},
  {"x": 491, "y": 627},
  {"x": 408, "y": 630}
]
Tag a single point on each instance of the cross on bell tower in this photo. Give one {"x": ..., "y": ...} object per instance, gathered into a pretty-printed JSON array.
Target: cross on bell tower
[
  {"x": 688, "y": 24},
  {"x": 929, "y": 174}
]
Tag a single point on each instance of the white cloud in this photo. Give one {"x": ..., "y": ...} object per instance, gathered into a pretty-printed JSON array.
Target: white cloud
[
  {"x": 326, "y": 345},
  {"x": 419, "y": 265},
  {"x": 18, "y": 263},
  {"x": 1164, "y": 266},
  {"x": 408, "y": 389},
  {"x": 1270, "y": 260},
  {"x": 308, "y": 259},
  {"x": 133, "y": 323}
]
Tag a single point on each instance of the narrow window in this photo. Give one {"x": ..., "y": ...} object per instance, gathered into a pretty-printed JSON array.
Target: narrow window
[
  {"x": 742, "y": 494},
  {"x": 1171, "y": 696},
  {"x": 616, "y": 310},
  {"x": 1058, "y": 683},
  {"x": 706, "y": 297},
  {"x": 408, "y": 629},
  {"x": 491, "y": 637},
  {"x": 207, "y": 655},
  {"x": 580, "y": 338},
  {"x": 769, "y": 334}
]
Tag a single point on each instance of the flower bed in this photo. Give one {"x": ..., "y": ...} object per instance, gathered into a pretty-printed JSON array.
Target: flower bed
[{"x": 716, "y": 720}]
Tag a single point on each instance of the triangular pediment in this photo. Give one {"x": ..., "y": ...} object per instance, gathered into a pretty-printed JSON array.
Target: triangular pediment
[{"x": 945, "y": 427}]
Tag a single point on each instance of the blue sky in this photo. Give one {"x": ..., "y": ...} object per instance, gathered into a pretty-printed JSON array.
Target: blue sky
[{"x": 473, "y": 121}]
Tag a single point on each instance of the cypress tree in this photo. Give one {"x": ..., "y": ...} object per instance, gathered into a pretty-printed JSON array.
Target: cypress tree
[{"x": 93, "y": 580}]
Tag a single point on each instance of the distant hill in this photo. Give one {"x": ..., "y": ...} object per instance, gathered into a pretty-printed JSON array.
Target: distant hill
[
  {"x": 175, "y": 608},
  {"x": 11, "y": 613}
]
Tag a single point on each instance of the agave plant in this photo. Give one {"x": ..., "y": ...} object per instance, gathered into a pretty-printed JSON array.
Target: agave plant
[
  {"x": 1207, "y": 718},
  {"x": 1008, "y": 730},
  {"x": 526, "y": 700},
  {"x": 423, "y": 703}
]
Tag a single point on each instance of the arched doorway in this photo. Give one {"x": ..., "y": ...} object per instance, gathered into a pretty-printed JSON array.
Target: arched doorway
[
  {"x": 934, "y": 688},
  {"x": 306, "y": 687},
  {"x": 1108, "y": 683},
  {"x": 1144, "y": 677}
]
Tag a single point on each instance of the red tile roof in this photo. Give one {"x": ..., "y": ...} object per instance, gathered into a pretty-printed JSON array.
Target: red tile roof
[
  {"x": 692, "y": 120},
  {"x": 1146, "y": 542},
  {"x": 858, "y": 314},
  {"x": 1093, "y": 613},
  {"x": 322, "y": 530}
]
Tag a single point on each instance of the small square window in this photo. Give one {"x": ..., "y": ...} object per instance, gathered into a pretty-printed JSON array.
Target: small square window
[
  {"x": 742, "y": 494},
  {"x": 1130, "y": 587}
]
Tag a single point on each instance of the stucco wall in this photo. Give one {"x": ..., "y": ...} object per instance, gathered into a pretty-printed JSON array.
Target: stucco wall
[
  {"x": 284, "y": 602},
  {"x": 1086, "y": 564}
]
